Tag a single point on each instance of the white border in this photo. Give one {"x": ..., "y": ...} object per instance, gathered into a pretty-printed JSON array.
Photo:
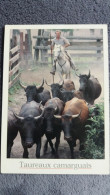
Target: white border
[{"x": 13, "y": 165}]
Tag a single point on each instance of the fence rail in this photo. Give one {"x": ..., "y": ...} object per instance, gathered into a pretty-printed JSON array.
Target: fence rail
[
  {"x": 71, "y": 37},
  {"x": 14, "y": 64},
  {"x": 89, "y": 47}
]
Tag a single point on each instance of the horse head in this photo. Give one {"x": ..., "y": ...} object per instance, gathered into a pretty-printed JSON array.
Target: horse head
[{"x": 58, "y": 49}]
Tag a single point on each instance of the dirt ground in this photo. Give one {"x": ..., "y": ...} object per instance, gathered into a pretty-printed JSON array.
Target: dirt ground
[{"x": 28, "y": 76}]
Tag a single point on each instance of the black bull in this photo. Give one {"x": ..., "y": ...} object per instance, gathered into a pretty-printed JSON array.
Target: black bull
[
  {"x": 52, "y": 126},
  {"x": 64, "y": 94},
  {"x": 30, "y": 126},
  {"x": 90, "y": 87},
  {"x": 36, "y": 93},
  {"x": 12, "y": 131}
]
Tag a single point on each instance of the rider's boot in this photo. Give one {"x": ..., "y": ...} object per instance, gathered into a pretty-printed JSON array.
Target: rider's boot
[
  {"x": 72, "y": 65},
  {"x": 53, "y": 69}
]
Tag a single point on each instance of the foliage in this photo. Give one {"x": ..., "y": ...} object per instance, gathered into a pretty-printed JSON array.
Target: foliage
[
  {"x": 94, "y": 142},
  {"x": 14, "y": 89}
]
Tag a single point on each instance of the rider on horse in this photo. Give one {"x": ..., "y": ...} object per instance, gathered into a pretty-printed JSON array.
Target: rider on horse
[{"x": 58, "y": 40}]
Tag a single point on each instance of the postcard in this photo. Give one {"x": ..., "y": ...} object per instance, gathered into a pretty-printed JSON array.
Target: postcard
[{"x": 55, "y": 109}]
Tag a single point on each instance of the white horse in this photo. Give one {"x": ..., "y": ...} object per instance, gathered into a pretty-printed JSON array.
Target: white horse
[{"x": 62, "y": 62}]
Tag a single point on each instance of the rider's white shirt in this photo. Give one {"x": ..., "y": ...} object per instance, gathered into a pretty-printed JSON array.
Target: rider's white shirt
[{"x": 61, "y": 41}]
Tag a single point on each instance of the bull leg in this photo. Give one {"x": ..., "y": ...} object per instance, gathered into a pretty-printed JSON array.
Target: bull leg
[
  {"x": 57, "y": 144},
  {"x": 45, "y": 146},
  {"x": 9, "y": 146},
  {"x": 82, "y": 140},
  {"x": 81, "y": 145},
  {"x": 71, "y": 149},
  {"x": 25, "y": 153},
  {"x": 38, "y": 148},
  {"x": 51, "y": 145}
]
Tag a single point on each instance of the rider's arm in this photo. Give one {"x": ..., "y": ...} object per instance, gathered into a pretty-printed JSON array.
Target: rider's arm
[
  {"x": 66, "y": 42},
  {"x": 66, "y": 45}
]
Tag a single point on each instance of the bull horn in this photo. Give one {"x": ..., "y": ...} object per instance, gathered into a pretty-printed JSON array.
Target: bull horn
[
  {"x": 77, "y": 74},
  {"x": 40, "y": 85},
  {"x": 57, "y": 116},
  {"x": 56, "y": 109},
  {"x": 37, "y": 117},
  {"x": 89, "y": 74},
  {"x": 76, "y": 115},
  {"x": 47, "y": 83},
  {"x": 62, "y": 83},
  {"x": 23, "y": 86},
  {"x": 18, "y": 117},
  {"x": 40, "y": 104}
]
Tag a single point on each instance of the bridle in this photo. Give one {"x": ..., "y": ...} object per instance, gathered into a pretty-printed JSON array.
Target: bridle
[{"x": 61, "y": 65}]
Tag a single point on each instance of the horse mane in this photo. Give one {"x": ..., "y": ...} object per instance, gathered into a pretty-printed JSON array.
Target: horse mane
[{"x": 62, "y": 50}]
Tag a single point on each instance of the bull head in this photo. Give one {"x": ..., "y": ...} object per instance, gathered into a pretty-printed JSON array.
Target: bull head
[
  {"x": 61, "y": 85},
  {"x": 24, "y": 86},
  {"x": 88, "y": 76},
  {"x": 22, "y": 118},
  {"x": 67, "y": 115}
]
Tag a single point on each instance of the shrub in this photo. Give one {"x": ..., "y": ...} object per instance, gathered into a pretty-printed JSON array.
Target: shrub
[{"x": 94, "y": 142}]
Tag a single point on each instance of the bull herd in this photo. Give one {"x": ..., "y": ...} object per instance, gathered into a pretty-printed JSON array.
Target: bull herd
[{"x": 67, "y": 111}]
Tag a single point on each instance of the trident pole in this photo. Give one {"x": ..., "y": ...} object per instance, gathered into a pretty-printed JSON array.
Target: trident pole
[{"x": 51, "y": 56}]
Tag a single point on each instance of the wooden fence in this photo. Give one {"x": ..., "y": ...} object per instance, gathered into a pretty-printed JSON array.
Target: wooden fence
[
  {"x": 14, "y": 64},
  {"x": 25, "y": 46},
  {"x": 80, "y": 47},
  {"x": 20, "y": 50}
]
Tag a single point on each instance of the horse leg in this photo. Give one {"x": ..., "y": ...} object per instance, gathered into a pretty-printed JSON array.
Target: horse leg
[
  {"x": 61, "y": 77},
  {"x": 69, "y": 75}
]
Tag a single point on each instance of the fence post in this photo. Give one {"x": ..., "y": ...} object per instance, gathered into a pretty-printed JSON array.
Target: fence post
[
  {"x": 21, "y": 45},
  {"x": 98, "y": 51}
]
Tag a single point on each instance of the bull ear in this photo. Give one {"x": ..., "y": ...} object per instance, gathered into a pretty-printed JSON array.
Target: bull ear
[
  {"x": 58, "y": 116},
  {"x": 47, "y": 83},
  {"x": 40, "y": 85},
  {"x": 18, "y": 117},
  {"x": 89, "y": 75}
]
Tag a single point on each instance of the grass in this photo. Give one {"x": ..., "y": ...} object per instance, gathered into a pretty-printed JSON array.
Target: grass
[{"x": 11, "y": 92}]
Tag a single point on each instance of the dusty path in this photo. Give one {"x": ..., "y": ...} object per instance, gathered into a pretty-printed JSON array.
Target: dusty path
[{"x": 36, "y": 76}]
